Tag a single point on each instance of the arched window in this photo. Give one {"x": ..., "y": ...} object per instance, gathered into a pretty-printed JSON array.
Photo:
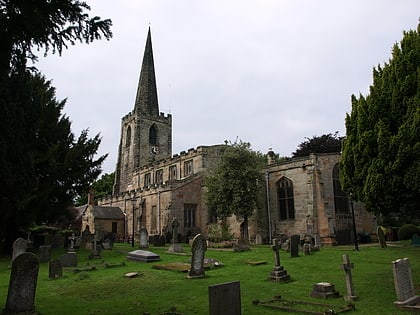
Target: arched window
[
  {"x": 341, "y": 201},
  {"x": 153, "y": 136},
  {"x": 128, "y": 137},
  {"x": 285, "y": 198}
]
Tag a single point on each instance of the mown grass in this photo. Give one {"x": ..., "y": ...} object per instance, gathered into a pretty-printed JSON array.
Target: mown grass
[{"x": 106, "y": 291}]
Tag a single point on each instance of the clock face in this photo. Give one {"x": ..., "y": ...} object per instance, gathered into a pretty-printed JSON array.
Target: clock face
[{"x": 154, "y": 150}]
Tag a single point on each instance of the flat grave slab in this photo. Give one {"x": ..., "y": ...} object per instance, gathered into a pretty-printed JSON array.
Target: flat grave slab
[{"x": 143, "y": 256}]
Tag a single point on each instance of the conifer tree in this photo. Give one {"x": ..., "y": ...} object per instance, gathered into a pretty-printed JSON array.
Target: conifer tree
[{"x": 381, "y": 152}]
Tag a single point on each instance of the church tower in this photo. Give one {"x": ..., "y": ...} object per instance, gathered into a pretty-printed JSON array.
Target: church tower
[{"x": 146, "y": 133}]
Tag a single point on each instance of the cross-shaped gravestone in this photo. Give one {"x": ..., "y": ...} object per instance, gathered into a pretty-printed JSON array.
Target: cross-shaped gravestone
[
  {"x": 347, "y": 267},
  {"x": 175, "y": 226},
  {"x": 275, "y": 247}
]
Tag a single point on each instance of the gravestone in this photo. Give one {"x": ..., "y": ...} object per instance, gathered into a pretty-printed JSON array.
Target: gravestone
[
  {"x": 415, "y": 240},
  {"x": 278, "y": 274},
  {"x": 258, "y": 239},
  {"x": 294, "y": 245},
  {"x": 44, "y": 253},
  {"x": 107, "y": 244},
  {"x": 175, "y": 247},
  {"x": 144, "y": 236},
  {"x": 199, "y": 246},
  {"x": 403, "y": 283},
  {"x": 347, "y": 267},
  {"x": 225, "y": 299},
  {"x": 317, "y": 239},
  {"x": 22, "y": 285},
  {"x": 381, "y": 237},
  {"x": 72, "y": 240},
  {"x": 68, "y": 260},
  {"x": 143, "y": 256},
  {"x": 19, "y": 247},
  {"x": 55, "y": 270},
  {"x": 324, "y": 290}
]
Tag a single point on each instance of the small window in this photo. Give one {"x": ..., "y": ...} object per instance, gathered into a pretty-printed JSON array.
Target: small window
[
  {"x": 173, "y": 172},
  {"x": 159, "y": 177},
  {"x": 147, "y": 179},
  {"x": 128, "y": 137},
  {"x": 114, "y": 227},
  {"x": 189, "y": 215},
  {"x": 188, "y": 167}
]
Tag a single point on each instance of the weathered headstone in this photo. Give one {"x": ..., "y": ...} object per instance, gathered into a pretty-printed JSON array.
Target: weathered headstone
[
  {"x": 294, "y": 245},
  {"x": 347, "y": 267},
  {"x": 68, "y": 260},
  {"x": 199, "y": 246},
  {"x": 55, "y": 270},
  {"x": 19, "y": 247},
  {"x": 72, "y": 240},
  {"x": 175, "y": 247},
  {"x": 403, "y": 282},
  {"x": 144, "y": 238},
  {"x": 22, "y": 285},
  {"x": 44, "y": 253},
  {"x": 258, "y": 239},
  {"x": 415, "y": 240},
  {"x": 278, "y": 274},
  {"x": 317, "y": 239},
  {"x": 225, "y": 299},
  {"x": 381, "y": 237},
  {"x": 143, "y": 256},
  {"x": 324, "y": 290}
]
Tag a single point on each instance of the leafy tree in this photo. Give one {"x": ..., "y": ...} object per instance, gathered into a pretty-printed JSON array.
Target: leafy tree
[
  {"x": 42, "y": 166},
  {"x": 101, "y": 188},
  {"x": 324, "y": 144},
  {"x": 232, "y": 187},
  {"x": 380, "y": 162}
]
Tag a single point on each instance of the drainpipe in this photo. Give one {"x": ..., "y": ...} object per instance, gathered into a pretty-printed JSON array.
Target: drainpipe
[
  {"x": 267, "y": 174},
  {"x": 158, "y": 212}
]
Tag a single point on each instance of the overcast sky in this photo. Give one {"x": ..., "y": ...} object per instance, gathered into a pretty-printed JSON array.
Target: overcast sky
[{"x": 266, "y": 72}]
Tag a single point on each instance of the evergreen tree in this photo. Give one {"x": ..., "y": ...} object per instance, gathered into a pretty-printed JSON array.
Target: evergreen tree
[
  {"x": 319, "y": 144},
  {"x": 42, "y": 166},
  {"x": 380, "y": 163},
  {"x": 232, "y": 187}
]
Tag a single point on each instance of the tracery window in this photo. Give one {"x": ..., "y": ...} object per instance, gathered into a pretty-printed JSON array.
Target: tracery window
[{"x": 285, "y": 199}]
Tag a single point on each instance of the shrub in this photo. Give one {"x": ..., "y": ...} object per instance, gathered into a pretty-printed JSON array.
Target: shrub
[{"x": 406, "y": 231}]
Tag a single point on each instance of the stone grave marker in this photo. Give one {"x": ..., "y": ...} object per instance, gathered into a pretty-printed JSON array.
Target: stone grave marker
[
  {"x": 347, "y": 267},
  {"x": 199, "y": 246},
  {"x": 19, "y": 247},
  {"x": 144, "y": 236},
  {"x": 258, "y": 239},
  {"x": 44, "y": 253},
  {"x": 278, "y": 274},
  {"x": 403, "y": 283},
  {"x": 415, "y": 240},
  {"x": 381, "y": 237},
  {"x": 68, "y": 260},
  {"x": 317, "y": 239},
  {"x": 143, "y": 256},
  {"x": 175, "y": 247},
  {"x": 225, "y": 299},
  {"x": 324, "y": 290},
  {"x": 294, "y": 245},
  {"x": 55, "y": 270},
  {"x": 22, "y": 285},
  {"x": 72, "y": 240}
]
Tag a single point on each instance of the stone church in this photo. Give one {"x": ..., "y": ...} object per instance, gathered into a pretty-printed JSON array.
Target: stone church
[{"x": 153, "y": 186}]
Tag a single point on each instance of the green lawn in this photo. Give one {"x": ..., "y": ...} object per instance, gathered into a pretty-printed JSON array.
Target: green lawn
[{"x": 106, "y": 291}]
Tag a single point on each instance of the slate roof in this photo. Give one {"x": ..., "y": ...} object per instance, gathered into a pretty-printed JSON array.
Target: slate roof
[{"x": 108, "y": 213}]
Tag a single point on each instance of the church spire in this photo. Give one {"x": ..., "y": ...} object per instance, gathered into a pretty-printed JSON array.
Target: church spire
[{"x": 146, "y": 98}]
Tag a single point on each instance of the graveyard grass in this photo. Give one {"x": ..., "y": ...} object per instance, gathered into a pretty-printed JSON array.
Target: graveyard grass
[{"x": 107, "y": 291}]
